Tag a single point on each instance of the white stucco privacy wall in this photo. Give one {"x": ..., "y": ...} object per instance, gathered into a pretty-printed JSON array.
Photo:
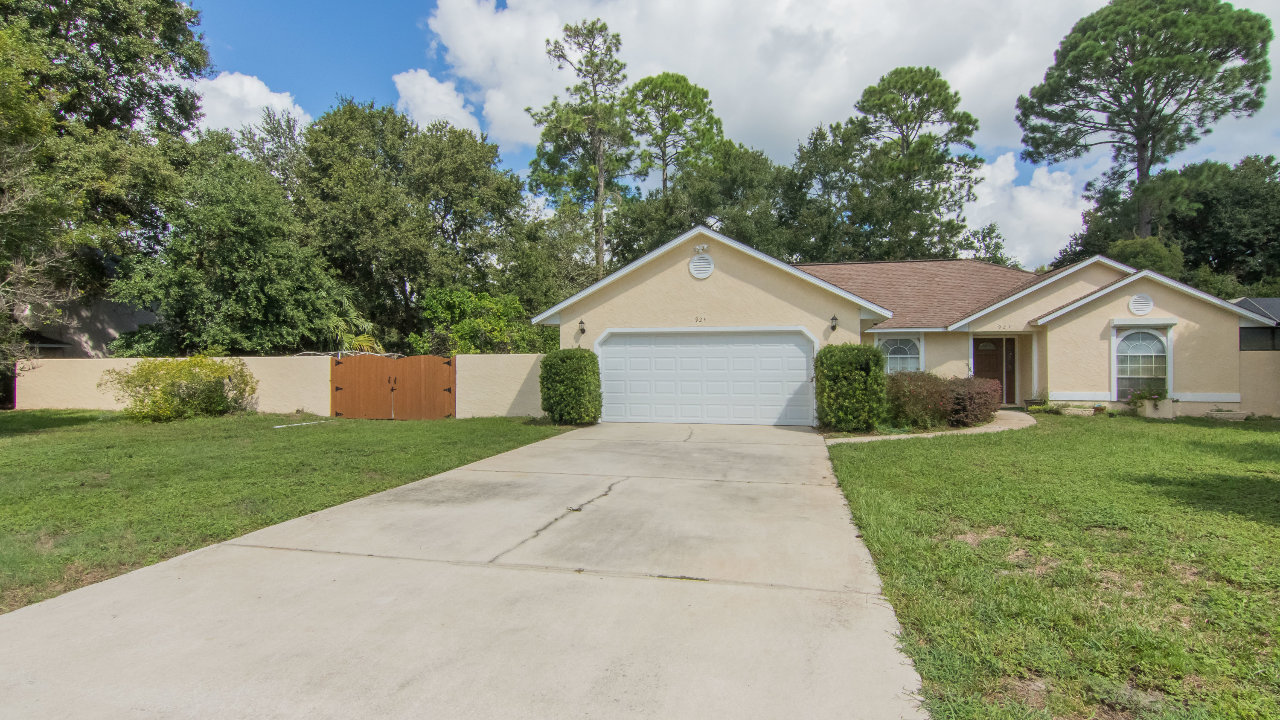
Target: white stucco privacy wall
[
  {"x": 498, "y": 385},
  {"x": 285, "y": 384}
]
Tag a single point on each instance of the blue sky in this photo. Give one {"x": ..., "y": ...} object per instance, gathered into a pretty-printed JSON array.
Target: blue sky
[
  {"x": 321, "y": 49},
  {"x": 774, "y": 70}
]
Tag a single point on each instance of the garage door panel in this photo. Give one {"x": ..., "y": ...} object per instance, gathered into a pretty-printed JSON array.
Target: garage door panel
[{"x": 748, "y": 378}]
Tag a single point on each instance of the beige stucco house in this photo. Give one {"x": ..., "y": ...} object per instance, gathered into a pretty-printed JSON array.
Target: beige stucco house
[{"x": 706, "y": 329}]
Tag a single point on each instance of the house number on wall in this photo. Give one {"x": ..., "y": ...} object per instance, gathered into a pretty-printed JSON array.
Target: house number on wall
[{"x": 698, "y": 319}]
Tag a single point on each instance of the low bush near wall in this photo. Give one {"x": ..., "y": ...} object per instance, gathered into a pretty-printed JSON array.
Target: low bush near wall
[
  {"x": 163, "y": 389},
  {"x": 850, "y": 387},
  {"x": 570, "y": 385},
  {"x": 918, "y": 400},
  {"x": 974, "y": 400}
]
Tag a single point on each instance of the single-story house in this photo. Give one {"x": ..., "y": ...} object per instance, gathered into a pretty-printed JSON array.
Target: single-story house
[{"x": 707, "y": 329}]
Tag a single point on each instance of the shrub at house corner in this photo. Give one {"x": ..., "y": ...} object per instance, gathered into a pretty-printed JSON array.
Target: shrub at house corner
[
  {"x": 918, "y": 400},
  {"x": 163, "y": 389},
  {"x": 974, "y": 400},
  {"x": 850, "y": 387},
  {"x": 570, "y": 384}
]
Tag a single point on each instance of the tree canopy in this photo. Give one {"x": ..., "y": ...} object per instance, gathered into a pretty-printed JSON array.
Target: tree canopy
[
  {"x": 364, "y": 229},
  {"x": 673, "y": 117},
  {"x": 586, "y": 146},
  {"x": 117, "y": 64},
  {"x": 891, "y": 182},
  {"x": 1147, "y": 78}
]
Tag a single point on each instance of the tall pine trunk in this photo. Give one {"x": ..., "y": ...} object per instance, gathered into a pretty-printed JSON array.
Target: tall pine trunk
[
  {"x": 598, "y": 205},
  {"x": 1145, "y": 210}
]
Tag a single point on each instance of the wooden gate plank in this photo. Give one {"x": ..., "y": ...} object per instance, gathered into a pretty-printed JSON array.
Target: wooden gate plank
[
  {"x": 361, "y": 387},
  {"x": 425, "y": 390}
]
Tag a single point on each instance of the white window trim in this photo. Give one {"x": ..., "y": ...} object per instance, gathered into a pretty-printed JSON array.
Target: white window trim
[
  {"x": 1119, "y": 333},
  {"x": 917, "y": 338}
]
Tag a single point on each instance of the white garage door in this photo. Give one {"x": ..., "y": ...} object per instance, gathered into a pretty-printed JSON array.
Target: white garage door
[{"x": 748, "y": 378}]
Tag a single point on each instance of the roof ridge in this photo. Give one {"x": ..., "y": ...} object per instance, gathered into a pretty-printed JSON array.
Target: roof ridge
[{"x": 917, "y": 260}]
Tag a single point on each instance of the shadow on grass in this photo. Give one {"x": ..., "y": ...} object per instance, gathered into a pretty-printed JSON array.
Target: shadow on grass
[
  {"x": 21, "y": 422},
  {"x": 1251, "y": 496},
  {"x": 1258, "y": 425}
]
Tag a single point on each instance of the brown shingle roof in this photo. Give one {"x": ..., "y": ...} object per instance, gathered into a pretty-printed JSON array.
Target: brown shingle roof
[{"x": 925, "y": 293}]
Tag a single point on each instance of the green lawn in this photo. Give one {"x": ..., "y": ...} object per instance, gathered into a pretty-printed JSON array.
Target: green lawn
[
  {"x": 88, "y": 495},
  {"x": 1084, "y": 568}
]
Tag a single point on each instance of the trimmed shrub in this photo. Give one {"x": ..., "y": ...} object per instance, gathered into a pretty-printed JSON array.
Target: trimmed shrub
[
  {"x": 974, "y": 400},
  {"x": 164, "y": 389},
  {"x": 570, "y": 384},
  {"x": 850, "y": 387},
  {"x": 918, "y": 400}
]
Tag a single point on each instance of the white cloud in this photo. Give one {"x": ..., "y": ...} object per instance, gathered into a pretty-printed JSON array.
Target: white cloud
[
  {"x": 233, "y": 100},
  {"x": 426, "y": 99},
  {"x": 1037, "y": 218},
  {"x": 778, "y": 68},
  {"x": 775, "y": 70}
]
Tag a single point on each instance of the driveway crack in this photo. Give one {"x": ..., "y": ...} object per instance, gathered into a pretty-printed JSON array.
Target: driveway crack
[{"x": 568, "y": 511}]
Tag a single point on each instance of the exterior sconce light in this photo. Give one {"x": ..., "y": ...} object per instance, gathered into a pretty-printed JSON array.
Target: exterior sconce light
[
  {"x": 834, "y": 322},
  {"x": 582, "y": 327}
]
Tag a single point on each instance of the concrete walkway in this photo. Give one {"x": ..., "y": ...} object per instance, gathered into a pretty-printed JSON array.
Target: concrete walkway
[
  {"x": 619, "y": 571},
  {"x": 1005, "y": 420}
]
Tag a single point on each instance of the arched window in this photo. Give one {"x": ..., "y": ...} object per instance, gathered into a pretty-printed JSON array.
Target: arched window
[
  {"x": 903, "y": 354},
  {"x": 1141, "y": 363}
]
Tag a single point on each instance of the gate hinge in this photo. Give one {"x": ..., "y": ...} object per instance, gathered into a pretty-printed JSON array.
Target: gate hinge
[
  {"x": 337, "y": 414},
  {"x": 449, "y": 362},
  {"x": 448, "y": 389},
  {"x": 337, "y": 362},
  {"x": 337, "y": 388}
]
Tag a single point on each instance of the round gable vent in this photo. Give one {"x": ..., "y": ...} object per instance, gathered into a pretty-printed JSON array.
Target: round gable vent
[
  {"x": 1140, "y": 304},
  {"x": 701, "y": 265}
]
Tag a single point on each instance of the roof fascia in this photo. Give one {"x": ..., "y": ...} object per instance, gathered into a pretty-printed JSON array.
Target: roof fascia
[
  {"x": 1157, "y": 277},
  {"x": 701, "y": 229},
  {"x": 1043, "y": 283}
]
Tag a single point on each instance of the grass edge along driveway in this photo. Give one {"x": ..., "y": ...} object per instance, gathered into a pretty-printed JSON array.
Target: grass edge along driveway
[
  {"x": 88, "y": 495},
  {"x": 1083, "y": 568}
]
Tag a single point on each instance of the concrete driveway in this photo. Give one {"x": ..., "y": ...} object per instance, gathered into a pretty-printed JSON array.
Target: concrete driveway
[{"x": 618, "y": 571}]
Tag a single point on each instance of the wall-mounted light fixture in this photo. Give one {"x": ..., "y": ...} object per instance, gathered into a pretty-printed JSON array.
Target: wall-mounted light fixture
[
  {"x": 834, "y": 322},
  {"x": 582, "y": 327}
]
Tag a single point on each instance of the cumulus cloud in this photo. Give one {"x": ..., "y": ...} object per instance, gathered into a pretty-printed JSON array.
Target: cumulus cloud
[
  {"x": 1036, "y": 218},
  {"x": 426, "y": 100},
  {"x": 232, "y": 100},
  {"x": 775, "y": 70}
]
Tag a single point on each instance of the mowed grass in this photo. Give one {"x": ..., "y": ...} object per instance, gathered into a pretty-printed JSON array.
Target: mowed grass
[
  {"x": 89, "y": 495},
  {"x": 1084, "y": 568}
]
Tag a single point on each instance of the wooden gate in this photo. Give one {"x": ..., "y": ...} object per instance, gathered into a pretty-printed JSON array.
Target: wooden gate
[{"x": 381, "y": 388}]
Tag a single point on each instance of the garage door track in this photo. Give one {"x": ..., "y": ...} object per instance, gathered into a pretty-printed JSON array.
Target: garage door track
[{"x": 617, "y": 571}]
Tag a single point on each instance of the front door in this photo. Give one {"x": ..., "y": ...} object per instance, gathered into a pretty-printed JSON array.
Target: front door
[{"x": 994, "y": 358}]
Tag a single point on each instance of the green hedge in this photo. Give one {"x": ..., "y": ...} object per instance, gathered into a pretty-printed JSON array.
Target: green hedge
[
  {"x": 919, "y": 400},
  {"x": 570, "y": 384},
  {"x": 974, "y": 400},
  {"x": 850, "y": 387},
  {"x": 163, "y": 389}
]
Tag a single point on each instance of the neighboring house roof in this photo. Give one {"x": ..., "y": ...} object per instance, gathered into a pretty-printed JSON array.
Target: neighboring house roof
[
  {"x": 1157, "y": 277},
  {"x": 1269, "y": 307},
  {"x": 550, "y": 316},
  {"x": 925, "y": 294}
]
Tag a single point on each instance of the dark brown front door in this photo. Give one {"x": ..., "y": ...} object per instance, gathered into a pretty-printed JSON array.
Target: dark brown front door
[{"x": 995, "y": 358}]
